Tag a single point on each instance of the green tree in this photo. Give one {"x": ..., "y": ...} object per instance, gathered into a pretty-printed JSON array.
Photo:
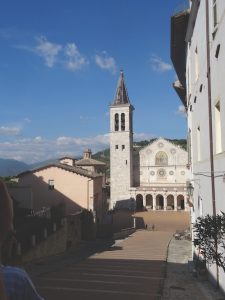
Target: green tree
[{"x": 209, "y": 237}]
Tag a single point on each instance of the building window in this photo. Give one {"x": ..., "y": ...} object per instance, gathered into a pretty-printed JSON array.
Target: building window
[
  {"x": 215, "y": 18},
  {"x": 217, "y": 51},
  {"x": 215, "y": 21},
  {"x": 218, "y": 128},
  {"x": 189, "y": 146},
  {"x": 196, "y": 64},
  {"x": 51, "y": 184},
  {"x": 198, "y": 143},
  {"x": 122, "y": 121},
  {"x": 123, "y": 147},
  {"x": 116, "y": 147},
  {"x": 161, "y": 158},
  {"x": 116, "y": 122}
]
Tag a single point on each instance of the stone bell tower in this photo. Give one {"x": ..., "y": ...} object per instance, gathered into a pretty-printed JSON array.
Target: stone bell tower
[{"x": 121, "y": 144}]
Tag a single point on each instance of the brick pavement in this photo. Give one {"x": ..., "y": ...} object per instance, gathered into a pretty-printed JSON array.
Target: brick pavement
[{"x": 133, "y": 268}]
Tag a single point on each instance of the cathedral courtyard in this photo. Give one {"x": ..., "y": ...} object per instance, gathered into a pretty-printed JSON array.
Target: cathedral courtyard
[{"x": 131, "y": 268}]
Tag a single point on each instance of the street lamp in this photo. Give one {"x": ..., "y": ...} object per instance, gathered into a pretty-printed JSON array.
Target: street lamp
[{"x": 190, "y": 189}]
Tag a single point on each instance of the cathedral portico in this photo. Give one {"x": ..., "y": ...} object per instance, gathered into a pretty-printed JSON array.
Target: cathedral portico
[{"x": 159, "y": 200}]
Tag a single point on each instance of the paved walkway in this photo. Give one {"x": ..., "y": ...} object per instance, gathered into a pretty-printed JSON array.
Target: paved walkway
[
  {"x": 180, "y": 284},
  {"x": 133, "y": 268},
  {"x": 130, "y": 269}
]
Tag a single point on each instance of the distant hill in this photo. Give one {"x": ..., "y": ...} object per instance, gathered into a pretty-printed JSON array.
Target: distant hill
[
  {"x": 11, "y": 167},
  {"x": 42, "y": 163}
]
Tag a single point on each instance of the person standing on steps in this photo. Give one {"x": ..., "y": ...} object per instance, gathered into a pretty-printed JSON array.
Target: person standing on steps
[{"x": 15, "y": 283}]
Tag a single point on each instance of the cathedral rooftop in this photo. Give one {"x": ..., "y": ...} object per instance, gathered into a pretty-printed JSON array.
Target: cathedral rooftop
[{"x": 121, "y": 96}]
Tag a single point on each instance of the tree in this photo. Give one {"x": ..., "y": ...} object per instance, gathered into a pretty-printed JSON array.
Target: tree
[{"x": 210, "y": 238}]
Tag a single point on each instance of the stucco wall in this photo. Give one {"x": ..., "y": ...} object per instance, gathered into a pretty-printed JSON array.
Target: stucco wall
[
  {"x": 198, "y": 112},
  {"x": 75, "y": 190}
]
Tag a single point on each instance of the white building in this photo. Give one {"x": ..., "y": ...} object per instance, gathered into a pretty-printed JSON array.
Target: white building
[
  {"x": 155, "y": 175},
  {"x": 198, "y": 55}
]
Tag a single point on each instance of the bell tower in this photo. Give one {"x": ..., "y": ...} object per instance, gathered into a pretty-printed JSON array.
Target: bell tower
[{"x": 121, "y": 144}]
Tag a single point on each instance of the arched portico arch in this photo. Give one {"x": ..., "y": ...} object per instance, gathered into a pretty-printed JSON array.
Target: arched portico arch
[
  {"x": 149, "y": 201},
  {"x": 170, "y": 202},
  {"x": 139, "y": 201},
  {"x": 180, "y": 202},
  {"x": 159, "y": 202}
]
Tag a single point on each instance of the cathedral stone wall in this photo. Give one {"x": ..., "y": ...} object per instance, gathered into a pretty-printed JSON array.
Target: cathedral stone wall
[{"x": 162, "y": 163}]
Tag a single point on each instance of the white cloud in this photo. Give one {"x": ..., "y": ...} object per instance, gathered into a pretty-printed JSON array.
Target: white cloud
[
  {"x": 40, "y": 149},
  {"x": 141, "y": 136},
  {"x": 49, "y": 51},
  {"x": 10, "y": 130},
  {"x": 27, "y": 120},
  {"x": 37, "y": 149},
  {"x": 67, "y": 55},
  {"x": 75, "y": 60},
  {"x": 159, "y": 65},
  {"x": 181, "y": 111},
  {"x": 106, "y": 62}
]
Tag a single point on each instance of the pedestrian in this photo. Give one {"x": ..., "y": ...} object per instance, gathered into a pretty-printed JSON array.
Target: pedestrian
[
  {"x": 15, "y": 283},
  {"x": 146, "y": 226},
  {"x": 153, "y": 227}
]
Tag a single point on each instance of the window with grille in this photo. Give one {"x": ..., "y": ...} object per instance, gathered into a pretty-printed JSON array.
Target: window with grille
[{"x": 51, "y": 184}]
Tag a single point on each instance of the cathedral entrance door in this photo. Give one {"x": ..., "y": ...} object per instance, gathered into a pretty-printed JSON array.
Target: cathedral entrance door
[
  {"x": 139, "y": 202},
  {"x": 159, "y": 202}
]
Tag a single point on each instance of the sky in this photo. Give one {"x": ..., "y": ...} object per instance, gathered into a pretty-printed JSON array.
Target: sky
[{"x": 60, "y": 62}]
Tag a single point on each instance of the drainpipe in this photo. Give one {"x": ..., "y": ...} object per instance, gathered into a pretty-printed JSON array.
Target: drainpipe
[
  {"x": 88, "y": 193},
  {"x": 210, "y": 123},
  {"x": 210, "y": 109}
]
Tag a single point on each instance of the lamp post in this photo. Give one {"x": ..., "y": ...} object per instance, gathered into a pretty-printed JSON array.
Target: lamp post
[{"x": 190, "y": 189}]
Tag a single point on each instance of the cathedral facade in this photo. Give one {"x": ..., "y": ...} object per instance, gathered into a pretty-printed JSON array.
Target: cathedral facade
[{"x": 153, "y": 176}]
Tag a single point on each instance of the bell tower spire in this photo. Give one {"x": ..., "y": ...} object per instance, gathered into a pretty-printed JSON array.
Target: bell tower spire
[
  {"x": 121, "y": 96},
  {"x": 121, "y": 144}
]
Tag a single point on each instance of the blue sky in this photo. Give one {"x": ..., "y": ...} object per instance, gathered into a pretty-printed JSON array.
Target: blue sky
[{"x": 59, "y": 67}]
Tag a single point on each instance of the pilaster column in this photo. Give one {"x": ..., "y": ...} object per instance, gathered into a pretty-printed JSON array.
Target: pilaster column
[
  {"x": 144, "y": 199},
  {"x": 175, "y": 202},
  {"x": 165, "y": 202},
  {"x": 185, "y": 202},
  {"x": 154, "y": 201}
]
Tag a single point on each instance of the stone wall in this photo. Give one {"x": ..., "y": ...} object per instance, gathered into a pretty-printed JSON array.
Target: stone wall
[{"x": 68, "y": 235}]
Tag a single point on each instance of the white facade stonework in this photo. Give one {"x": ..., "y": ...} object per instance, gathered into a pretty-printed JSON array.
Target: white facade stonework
[
  {"x": 154, "y": 176},
  {"x": 160, "y": 174},
  {"x": 205, "y": 103}
]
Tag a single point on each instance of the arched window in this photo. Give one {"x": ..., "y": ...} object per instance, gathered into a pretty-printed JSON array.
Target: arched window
[
  {"x": 122, "y": 121},
  {"x": 116, "y": 122},
  {"x": 161, "y": 158}
]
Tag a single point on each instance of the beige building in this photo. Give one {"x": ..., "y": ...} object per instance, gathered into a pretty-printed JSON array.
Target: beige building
[
  {"x": 154, "y": 176},
  {"x": 64, "y": 182}
]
